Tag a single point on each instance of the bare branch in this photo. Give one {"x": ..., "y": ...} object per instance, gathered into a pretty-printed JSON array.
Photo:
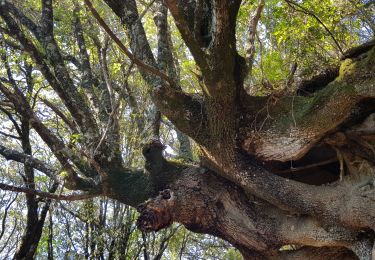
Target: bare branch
[
  {"x": 56, "y": 146},
  {"x": 60, "y": 114},
  {"x": 11, "y": 118},
  {"x": 9, "y": 135},
  {"x": 5, "y": 215},
  {"x": 71, "y": 197}
]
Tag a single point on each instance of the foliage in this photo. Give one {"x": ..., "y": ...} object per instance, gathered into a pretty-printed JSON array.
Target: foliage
[{"x": 307, "y": 34}]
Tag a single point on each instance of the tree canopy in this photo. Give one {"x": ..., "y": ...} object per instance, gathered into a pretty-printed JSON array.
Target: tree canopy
[{"x": 250, "y": 121}]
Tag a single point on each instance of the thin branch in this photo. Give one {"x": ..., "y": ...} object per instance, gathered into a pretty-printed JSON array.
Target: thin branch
[
  {"x": 308, "y": 12},
  {"x": 9, "y": 135},
  {"x": 67, "y": 92},
  {"x": 60, "y": 114},
  {"x": 56, "y": 145},
  {"x": 5, "y": 245},
  {"x": 5, "y": 215},
  {"x": 71, "y": 197},
  {"x": 109, "y": 123},
  {"x": 147, "y": 7},
  {"x": 313, "y": 165},
  {"x": 122, "y": 47},
  {"x": 340, "y": 157},
  {"x": 104, "y": 69},
  {"x": 11, "y": 118}
]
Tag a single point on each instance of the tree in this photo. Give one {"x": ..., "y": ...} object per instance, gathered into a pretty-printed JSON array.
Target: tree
[{"x": 243, "y": 190}]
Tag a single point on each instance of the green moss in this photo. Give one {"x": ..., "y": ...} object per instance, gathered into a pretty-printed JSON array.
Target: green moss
[
  {"x": 324, "y": 107},
  {"x": 315, "y": 111},
  {"x": 130, "y": 186},
  {"x": 347, "y": 67},
  {"x": 358, "y": 69},
  {"x": 136, "y": 186}
]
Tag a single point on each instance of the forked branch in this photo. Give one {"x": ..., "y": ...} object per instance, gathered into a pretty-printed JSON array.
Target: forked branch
[{"x": 135, "y": 60}]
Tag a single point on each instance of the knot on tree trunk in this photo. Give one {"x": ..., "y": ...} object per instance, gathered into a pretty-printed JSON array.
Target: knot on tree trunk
[{"x": 156, "y": 213}]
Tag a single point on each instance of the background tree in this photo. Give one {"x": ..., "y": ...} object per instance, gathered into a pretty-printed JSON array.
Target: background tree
[{"x": 286, "y": 149}]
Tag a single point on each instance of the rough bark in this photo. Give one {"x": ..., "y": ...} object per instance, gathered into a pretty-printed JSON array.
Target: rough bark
[{"x": 234, "y": 194}]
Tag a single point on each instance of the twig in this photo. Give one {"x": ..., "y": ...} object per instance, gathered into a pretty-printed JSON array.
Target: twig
[
  {"x": 111, "y": 117},
  {"x": 308, "y": 12},
  {"x": 9, "y": 135},
  {"x": 297, "y": 169}
]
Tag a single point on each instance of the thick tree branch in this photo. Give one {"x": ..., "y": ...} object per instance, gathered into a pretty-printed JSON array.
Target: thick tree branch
[
  {"x": 33, "y": 27},
  {"x": 223, "y": 57},
  {"x": 252, "y": 34},
  {"x": 332, "y": 110},
  {"x": 357, "y": 51},
  {"x": 87, "y": 75},
  {"x": 35, "y": 163},
  {"x": 331, "y": 204},
  {"x": 165, "y": 57},
  {"x": 182, "y": 109},
  {"x": 247, "y": 222},
  {"x": 47, "y": 17},
  {"x": 128, "y": 13}
]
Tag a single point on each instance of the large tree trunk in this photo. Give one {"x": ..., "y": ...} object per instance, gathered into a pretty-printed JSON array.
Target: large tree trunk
[{"x": 245, "y": 190}]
